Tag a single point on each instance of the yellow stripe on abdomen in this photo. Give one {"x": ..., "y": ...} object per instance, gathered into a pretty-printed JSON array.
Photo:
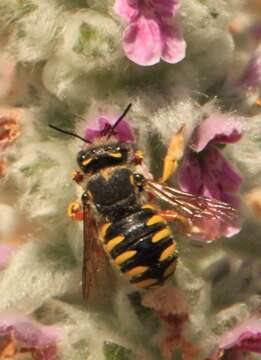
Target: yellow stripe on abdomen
[
  {"x": 169, "y": 251},
  {"x": 161, "y": 234},
  {"x": 113, "y": 242},
  {"x": 120, "y": 259},
  {"x": 155, "y": 219},
  {"x": 170, "y": 269},
  {"x": 137, "y": 270},
  {"x": 104, "y": 230},
  {"x": 145, "y": 283}
]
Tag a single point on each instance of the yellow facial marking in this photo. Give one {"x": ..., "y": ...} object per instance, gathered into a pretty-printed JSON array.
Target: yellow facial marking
[
  {"x": 113, "y": 242},
  {"x": 154, "y": 220},
  {"x": 86, "y": 162},
  {"x": 145, "y": 283},
  {"x": 161, "y": 234},
  {"x": 104, "y": 229},
  {"x": 170, "y": 269},
  {"x": 115, "y": 155},
  {"x": 136, "y": 270},
  {"x": 167, "y": 252},
  {"x": 125, "y": 256}
]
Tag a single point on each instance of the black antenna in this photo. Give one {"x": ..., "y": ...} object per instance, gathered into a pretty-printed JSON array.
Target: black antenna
[
  {"x": 69, "y": 133},
  {"x": 118, "y": 121}
]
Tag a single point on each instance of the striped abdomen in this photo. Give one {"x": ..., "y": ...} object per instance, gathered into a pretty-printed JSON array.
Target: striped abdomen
[{"x": 143, "y": 247}]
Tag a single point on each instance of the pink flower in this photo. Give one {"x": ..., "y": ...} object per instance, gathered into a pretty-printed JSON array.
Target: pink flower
[
  {"x": 152, "y": 33},
  {"x": 101, "y": 126},
  {"x": 21, "y": 334},
  {"x": 6, "y": 251},
  {"x": 252, "y": 74},
  {"x": 245, "y": 337},
  {"x": 205, "y": 171}
]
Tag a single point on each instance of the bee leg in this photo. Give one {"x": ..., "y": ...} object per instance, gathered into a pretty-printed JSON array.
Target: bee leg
[
  {"x": 75, "y": 211},
  {"x": 173, "y": 155},
  {"x": 172, "y": 216},
  {"x": 77, "y": 176}
]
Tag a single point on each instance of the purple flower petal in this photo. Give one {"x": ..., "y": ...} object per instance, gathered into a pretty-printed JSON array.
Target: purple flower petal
[
  {"x": 208, "y": 230},
  {"x": 142, "y": 42},
  {"x": 165, "y": 8},
  {"x": 246, "y": 336},
  {"x": 189, "y": 174},
  {"x": 220, "y": 128},
  {"x": 124, "y": 132},
  {"x": 219, "y": 175},
  {"x": 210, "y": 175},
  {"x": 127, "y": 9},
  {"x": 31, "y": 335},
  {"x": 172, "y": 43},
  {"x": 96, "y": 128},
  {"x": 150, "y": 36},
  {"x": 221, "y": 182}
]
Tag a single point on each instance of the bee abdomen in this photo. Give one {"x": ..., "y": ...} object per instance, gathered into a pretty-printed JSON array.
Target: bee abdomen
[{"x": 142, "y": 246}]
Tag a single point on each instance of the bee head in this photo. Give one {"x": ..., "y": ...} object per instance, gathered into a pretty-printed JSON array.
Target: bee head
[
  {"x": 102, "y": 156},
  {"x": 93, "y": 157}
]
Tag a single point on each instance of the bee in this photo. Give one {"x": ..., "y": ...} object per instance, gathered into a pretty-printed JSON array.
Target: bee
[{"x": 122, "y": 223}]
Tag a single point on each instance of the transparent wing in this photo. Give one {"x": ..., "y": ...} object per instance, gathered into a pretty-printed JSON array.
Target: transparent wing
[
  {"x": 190, "y": 205},
  {"x": 199, "y": 210},
  {"x": 97, "y": 275}
]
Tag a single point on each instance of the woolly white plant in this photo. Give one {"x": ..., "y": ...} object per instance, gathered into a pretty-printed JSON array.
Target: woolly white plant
[{"x": 70, "y": 68}]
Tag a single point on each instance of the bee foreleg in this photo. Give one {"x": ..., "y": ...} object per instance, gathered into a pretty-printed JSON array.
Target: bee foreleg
[
  {"x": 75, "y": 211},
  {"x": 77, "y": 176},
  {"x": 173, "y": 155}
]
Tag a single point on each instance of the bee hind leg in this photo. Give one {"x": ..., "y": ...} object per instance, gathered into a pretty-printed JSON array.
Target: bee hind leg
[
  {"x": 174, "y": 154},
  {"x": 75, "y": 211},
  {"x": 183, "y": 223}
]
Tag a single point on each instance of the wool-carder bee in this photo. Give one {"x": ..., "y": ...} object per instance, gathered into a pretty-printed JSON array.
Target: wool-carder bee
[{"x": 120, "y": 216}]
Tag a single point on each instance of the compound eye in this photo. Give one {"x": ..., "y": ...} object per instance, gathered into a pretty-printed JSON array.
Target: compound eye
[
  {"x": 81, "y": 157},
  {"x": 85, "y": 198},
  {"x": 139, "y": 179}
]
